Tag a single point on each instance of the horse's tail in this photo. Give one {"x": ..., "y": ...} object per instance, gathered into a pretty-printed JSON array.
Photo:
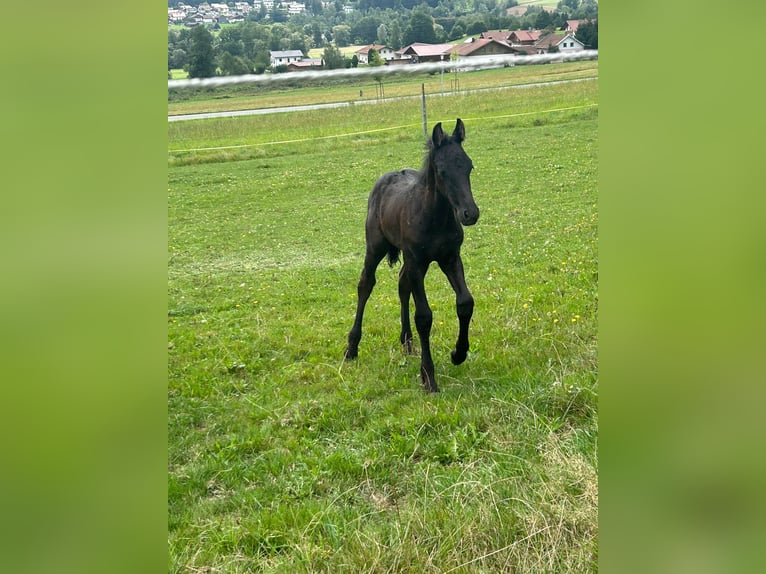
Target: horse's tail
[{"x": 393, "y": 255}]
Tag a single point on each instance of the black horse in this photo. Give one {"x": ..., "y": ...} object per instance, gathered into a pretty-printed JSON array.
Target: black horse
[{"x": 421, "y": 214}]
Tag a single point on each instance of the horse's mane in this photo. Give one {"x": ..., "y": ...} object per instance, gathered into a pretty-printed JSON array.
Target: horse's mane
[{"x": 427, "y": 177}]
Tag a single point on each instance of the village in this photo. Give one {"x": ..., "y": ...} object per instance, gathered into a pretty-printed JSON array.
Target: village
[
  {"x": 490, "y": 43},
  {"x": 257, "y": 36},
  {"x": 221, "y": 13}
]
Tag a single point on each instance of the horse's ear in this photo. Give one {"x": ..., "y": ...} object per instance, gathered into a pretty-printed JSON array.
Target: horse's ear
[
  {"x": 438, "y": 135},
  {"x": 459, "y": 133}
]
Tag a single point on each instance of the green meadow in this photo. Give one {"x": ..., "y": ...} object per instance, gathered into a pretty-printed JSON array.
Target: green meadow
[
  {"x": 285, "y": 93},
  {"x": 284, "y": 458}
]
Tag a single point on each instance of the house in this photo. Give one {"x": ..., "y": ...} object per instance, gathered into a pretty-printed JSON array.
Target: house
[
  {"x": 558, "y": 42},
  {"x": 305, "y": 64},
  {"x": 280, "y": 57},
  {"x": 524, "y": 37},
  {"x": 419, "y": 52},
  {"x": 497, "y": 35},
  {"x": 385, "y": 52},
  {"x": 482, "y": 47},
  {"x": 294, "y": 8},
  {"x": 572, "y": 25}
]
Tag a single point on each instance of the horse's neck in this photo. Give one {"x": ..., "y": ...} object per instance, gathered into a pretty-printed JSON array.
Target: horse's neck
[
  {"x": 432, "y": 196},
  {"x": 435, "y": 206}
]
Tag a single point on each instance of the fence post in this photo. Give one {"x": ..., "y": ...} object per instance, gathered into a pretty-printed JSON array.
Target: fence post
[{"x": 423, "y": 105}]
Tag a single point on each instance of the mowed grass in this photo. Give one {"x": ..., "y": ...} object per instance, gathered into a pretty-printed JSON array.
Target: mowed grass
[{"x": 283, "y": 458}]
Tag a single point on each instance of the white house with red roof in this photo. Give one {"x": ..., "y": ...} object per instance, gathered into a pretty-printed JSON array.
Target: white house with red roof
[{"x": 385, "y": 52}]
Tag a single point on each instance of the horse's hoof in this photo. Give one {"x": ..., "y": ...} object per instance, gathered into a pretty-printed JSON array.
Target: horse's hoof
[
  {"x": 458, "y": 358},
  {"x": 429, "y": 383},
  {"x": 350, "y": 354}
]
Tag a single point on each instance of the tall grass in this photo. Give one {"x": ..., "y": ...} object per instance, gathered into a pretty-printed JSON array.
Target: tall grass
[{"x": 282, "y": 458}]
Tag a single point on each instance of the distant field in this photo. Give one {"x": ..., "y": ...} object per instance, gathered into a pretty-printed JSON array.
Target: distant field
[
  {"x": 283, "y": 458},
  {"x": 347, "y": 51}
]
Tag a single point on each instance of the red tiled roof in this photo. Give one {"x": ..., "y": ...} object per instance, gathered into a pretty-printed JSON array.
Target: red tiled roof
[
  {"x": 499, "y": 35},
  {"x": 551, "y": 39},
  {"x": 468, "y": 48},
  {"x": 307, "y": 63},
  {"x": 527, "y": 35},
  {"x": 420, "y": 49},
  {"x": 366, "y": 49},
  {"x": 572, "y": 25}
]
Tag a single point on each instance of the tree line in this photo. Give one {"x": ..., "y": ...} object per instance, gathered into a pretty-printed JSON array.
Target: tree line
[{"x": 244, "y": 47}]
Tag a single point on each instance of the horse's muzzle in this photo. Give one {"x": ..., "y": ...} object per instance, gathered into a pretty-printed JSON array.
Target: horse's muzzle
[{"x": 469, "y": 216}]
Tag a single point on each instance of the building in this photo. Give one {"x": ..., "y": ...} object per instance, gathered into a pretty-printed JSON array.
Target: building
[
  {"x": 305, "y": 64},
  {"x": 419, "y": 52},
  {"x": 482, "y": 47},
  {"x": 558, "y": 42},
  {"x": 284, "y": 57},
  {"x": 385, "y": 52}
]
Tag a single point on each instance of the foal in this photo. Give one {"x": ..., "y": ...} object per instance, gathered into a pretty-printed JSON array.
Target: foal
[{"x": 421, "y": 214}]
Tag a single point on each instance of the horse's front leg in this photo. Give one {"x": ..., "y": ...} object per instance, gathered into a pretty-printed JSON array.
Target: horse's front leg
[
  {"x": 423, "y": 321},
  {"x": 453, "y": 269},
  {"x": 363, "y": 290},
  {"x": 405, "y": 338}
]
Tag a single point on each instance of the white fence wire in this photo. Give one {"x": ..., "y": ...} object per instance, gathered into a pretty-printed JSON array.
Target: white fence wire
[{"x": 472, "y": 63}]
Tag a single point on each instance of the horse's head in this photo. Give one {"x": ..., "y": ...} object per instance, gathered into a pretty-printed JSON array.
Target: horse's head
[{"x": 452, "y": 172}]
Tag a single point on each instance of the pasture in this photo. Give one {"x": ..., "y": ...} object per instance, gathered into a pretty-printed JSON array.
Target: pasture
[{"x": 284, "y": 458}]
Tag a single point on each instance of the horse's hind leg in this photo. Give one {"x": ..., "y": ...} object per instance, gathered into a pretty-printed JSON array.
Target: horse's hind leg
[
  {"x": 423, "y": 321},
  {"x": 404, "y": 297},
  {"x": 375, "y": 254}
]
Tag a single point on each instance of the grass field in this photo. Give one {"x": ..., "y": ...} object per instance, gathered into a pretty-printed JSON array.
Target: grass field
[
  {"x": 265, "y": 96},
  {"x": 282, "y": 458},
  {"x": 178, "y": 74}
]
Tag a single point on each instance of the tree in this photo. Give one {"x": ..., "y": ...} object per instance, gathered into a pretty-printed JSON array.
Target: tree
[
  {"x": 477, "y": 26},
  {"x": 395, "y": 36},
  {"x": 543, "y": 20},
  {"x": 572, "y": 5},
  {"x": 382, "y": 34},
  {"x": 277, "y": 15},
  {"x": 458, "y": 31},
  {"x": 261, "y": 61},
  {"x": 420, "y": 29},
  {"x": 230, "y": 40},
  {"x": 587, "y": 33},
  {"x": 201, "y": 55},
  {"x": 315, "y": 6},
  {"x": 333, "y": 58},
  {"x": 233, "y": 65},
  {"x": 374, "y": 59},
  {"x": 342, "y": 34},
  {"x": 588, "y": 10},
  {"x": 316, "y": 34},
  {"x": 365, "y": 31},
  {"x": 178, "y": 59}
]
